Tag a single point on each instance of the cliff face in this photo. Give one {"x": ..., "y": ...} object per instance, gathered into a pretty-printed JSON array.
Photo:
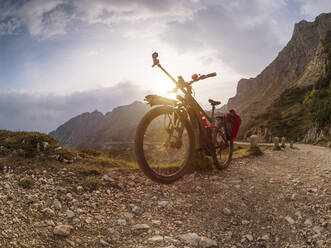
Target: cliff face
[
  {"x": 96, "y": 130},
  {"x": 300, "y": 63}
]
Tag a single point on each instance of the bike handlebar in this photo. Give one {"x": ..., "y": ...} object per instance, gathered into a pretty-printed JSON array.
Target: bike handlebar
[{"x": 207, "y": 76}]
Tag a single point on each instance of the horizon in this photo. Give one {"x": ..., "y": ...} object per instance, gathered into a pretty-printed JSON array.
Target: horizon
[{"x": 62, "y": 58}]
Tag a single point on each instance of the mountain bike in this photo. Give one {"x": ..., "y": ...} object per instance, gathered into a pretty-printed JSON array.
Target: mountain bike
[{"x": 173, "y": 130}]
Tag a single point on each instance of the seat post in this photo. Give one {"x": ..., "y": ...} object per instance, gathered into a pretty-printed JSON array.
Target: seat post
[{"x": 212, "y": 114}]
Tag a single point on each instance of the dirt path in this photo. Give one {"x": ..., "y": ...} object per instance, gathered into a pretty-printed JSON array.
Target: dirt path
[{"x": 281, "y": 199}]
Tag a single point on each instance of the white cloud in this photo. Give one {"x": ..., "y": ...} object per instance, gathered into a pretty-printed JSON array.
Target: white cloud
[
  {"x": 311, "y": 9},
  {"x": 245, "y": 34},
  {"x": 45, "y": 112},
  {"x": 9, "y": 26},
  {"x": 45, "y": 19}
]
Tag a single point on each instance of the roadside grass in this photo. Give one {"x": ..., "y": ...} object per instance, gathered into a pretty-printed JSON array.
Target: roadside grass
[
  {"x": 22, "y": 154},
  {"x": 245, "y": 150}
]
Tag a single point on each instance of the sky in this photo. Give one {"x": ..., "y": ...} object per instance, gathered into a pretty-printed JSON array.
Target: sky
[{"x": 60, "y": 58}]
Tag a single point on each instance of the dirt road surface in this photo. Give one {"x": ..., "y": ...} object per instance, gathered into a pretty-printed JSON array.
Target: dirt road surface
[{"x": 281, "y": 199}]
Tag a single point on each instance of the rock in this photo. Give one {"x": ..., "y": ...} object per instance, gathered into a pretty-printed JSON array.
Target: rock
[
  {"x": 207, "y": 243},
  {"x": 320, "y": 243},
  {"x": 191, "y": 239},
  {"x": 249, "y": 237},
  {"x": 31, "y": 198},
  {"x": 136, "y": 210},
  {"x": 114, "y": 234},
  {"x": 265, "y": 237},
  {"x": 104, "y": 243},
  {"x": 253, "y": 140},
  {"x": 140, "y": 227},
  {"x": 156, "y": 238},
  {"x": 156, "y": 222},
  {"x": 62, "y": 230},
  {"x": 244, "y": 222},
  {"x": 57, "y": 204},
  {"x": 227, "y": 211},
  {"x": 170, "y": 240},
  {"x": 61, "y": 189},
  {"x": 45, "y": 145},
  {"x": 121, "y": 222},
  {"x": 88, "y": 220},
  {"x": 289, "y": 220},
  {"x": 106, "y": 179},
  {"x": 70, "y": 214},
  {"x": 71, "y": 243},
  {"x": 234, "y": 180},
  {"x": 128, "y": 216},
  {"x": 276, "y": 142},
  {"x": 312, "y": 190},
  {"x": 50, "y": 222},
  {"x": 308, "y": 223},
  {"x": 48, "y": 211},
  {"x": 291, "y": 144},
  {"x": 163, "y": 203}
]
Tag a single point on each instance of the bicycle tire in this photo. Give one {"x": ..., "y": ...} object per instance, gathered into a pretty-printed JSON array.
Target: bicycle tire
[
  {"x": 217, "y": 162},
  {"x": 139, "y": 151}
]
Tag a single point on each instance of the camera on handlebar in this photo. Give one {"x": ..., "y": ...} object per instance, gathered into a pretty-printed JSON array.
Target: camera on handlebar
[{"x": 180, "y": 83}]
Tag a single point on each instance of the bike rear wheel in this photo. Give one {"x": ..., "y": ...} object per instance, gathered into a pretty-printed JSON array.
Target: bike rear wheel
[
  {"x": 164, "y": 145},
  {"x": 224, "y": 148}
]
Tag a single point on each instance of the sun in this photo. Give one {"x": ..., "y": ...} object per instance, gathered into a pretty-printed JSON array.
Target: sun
[{"x": 162, "y": 88}]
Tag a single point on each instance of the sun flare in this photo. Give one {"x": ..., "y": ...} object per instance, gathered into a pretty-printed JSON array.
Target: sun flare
[{"x": 162, "y": 88}]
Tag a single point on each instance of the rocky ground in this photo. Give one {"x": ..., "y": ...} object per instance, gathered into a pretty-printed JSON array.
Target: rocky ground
[{"x": 281, "y": 199}]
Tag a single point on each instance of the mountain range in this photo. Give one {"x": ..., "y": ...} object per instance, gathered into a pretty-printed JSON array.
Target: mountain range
[
  {"x": 285, "y": 99},
  {"x": 101, "y": 131}
]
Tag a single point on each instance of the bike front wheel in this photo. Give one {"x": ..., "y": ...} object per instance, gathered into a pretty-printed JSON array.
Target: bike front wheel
[{"x": 164, "y": 144}]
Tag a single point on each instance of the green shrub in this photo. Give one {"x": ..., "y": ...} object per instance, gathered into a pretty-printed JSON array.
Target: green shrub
[
  {"x": 89, "y": 152},
  {"x": 26, "y": 183},
  {"x": 202, "y": 162},
  {"x": 92, "y": 183},
  {"x": 26, "y": 141},
  {"x": 277, "y": 148},
  {"x": 19, "y": 152},
  {"x": 255, "y": 151},
  {"x": 3, "y": 163},
  {"x": 65, "y": 153}
]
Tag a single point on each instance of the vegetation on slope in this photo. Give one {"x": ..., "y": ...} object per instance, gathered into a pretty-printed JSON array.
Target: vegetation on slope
[{"x": 299, "y": 108}]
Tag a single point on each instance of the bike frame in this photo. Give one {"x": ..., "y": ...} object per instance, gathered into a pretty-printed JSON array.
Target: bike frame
[{"x": 203, "y": 136}]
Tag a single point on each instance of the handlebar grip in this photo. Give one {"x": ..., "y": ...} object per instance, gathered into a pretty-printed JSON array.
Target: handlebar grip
[{"x": 211, "y": 74}]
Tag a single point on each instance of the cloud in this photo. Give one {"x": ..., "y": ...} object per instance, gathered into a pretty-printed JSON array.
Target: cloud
[
  {"x": 45, "y": 19},
  {"x": 244, "y": 34},
  {"x": 45, "y": 112},
  {"x": 9, "y": 26},
  {"x": 311, "y": 9}
]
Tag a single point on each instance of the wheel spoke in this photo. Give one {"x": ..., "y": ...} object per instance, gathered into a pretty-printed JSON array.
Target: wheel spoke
[{"x": 168, "y": 158}]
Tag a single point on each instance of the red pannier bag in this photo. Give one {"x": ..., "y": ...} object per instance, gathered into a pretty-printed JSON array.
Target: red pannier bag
[{"x": 233, "y": 122}]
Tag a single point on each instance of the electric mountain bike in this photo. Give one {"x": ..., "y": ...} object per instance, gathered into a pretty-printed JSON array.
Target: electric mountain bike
[{"x": 173, "y": 130}]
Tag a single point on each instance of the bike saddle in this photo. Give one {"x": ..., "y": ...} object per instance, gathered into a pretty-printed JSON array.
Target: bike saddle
[{"x": 214, "y": 103}]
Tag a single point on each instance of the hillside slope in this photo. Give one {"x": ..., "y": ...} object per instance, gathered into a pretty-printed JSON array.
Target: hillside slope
[
  {"x": 300, "y": 64},
  {"x": 302, "y": 108}
]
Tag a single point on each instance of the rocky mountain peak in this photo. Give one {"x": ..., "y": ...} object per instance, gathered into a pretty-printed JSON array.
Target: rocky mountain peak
[
  {"x": 299, "y": 63},
  {"x": 94, "y": 129}
]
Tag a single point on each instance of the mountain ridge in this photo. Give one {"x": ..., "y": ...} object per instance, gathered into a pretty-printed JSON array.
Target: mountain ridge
[
  {"x": 299, "y": 63},
  {"x": 95, "y": 129}
]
